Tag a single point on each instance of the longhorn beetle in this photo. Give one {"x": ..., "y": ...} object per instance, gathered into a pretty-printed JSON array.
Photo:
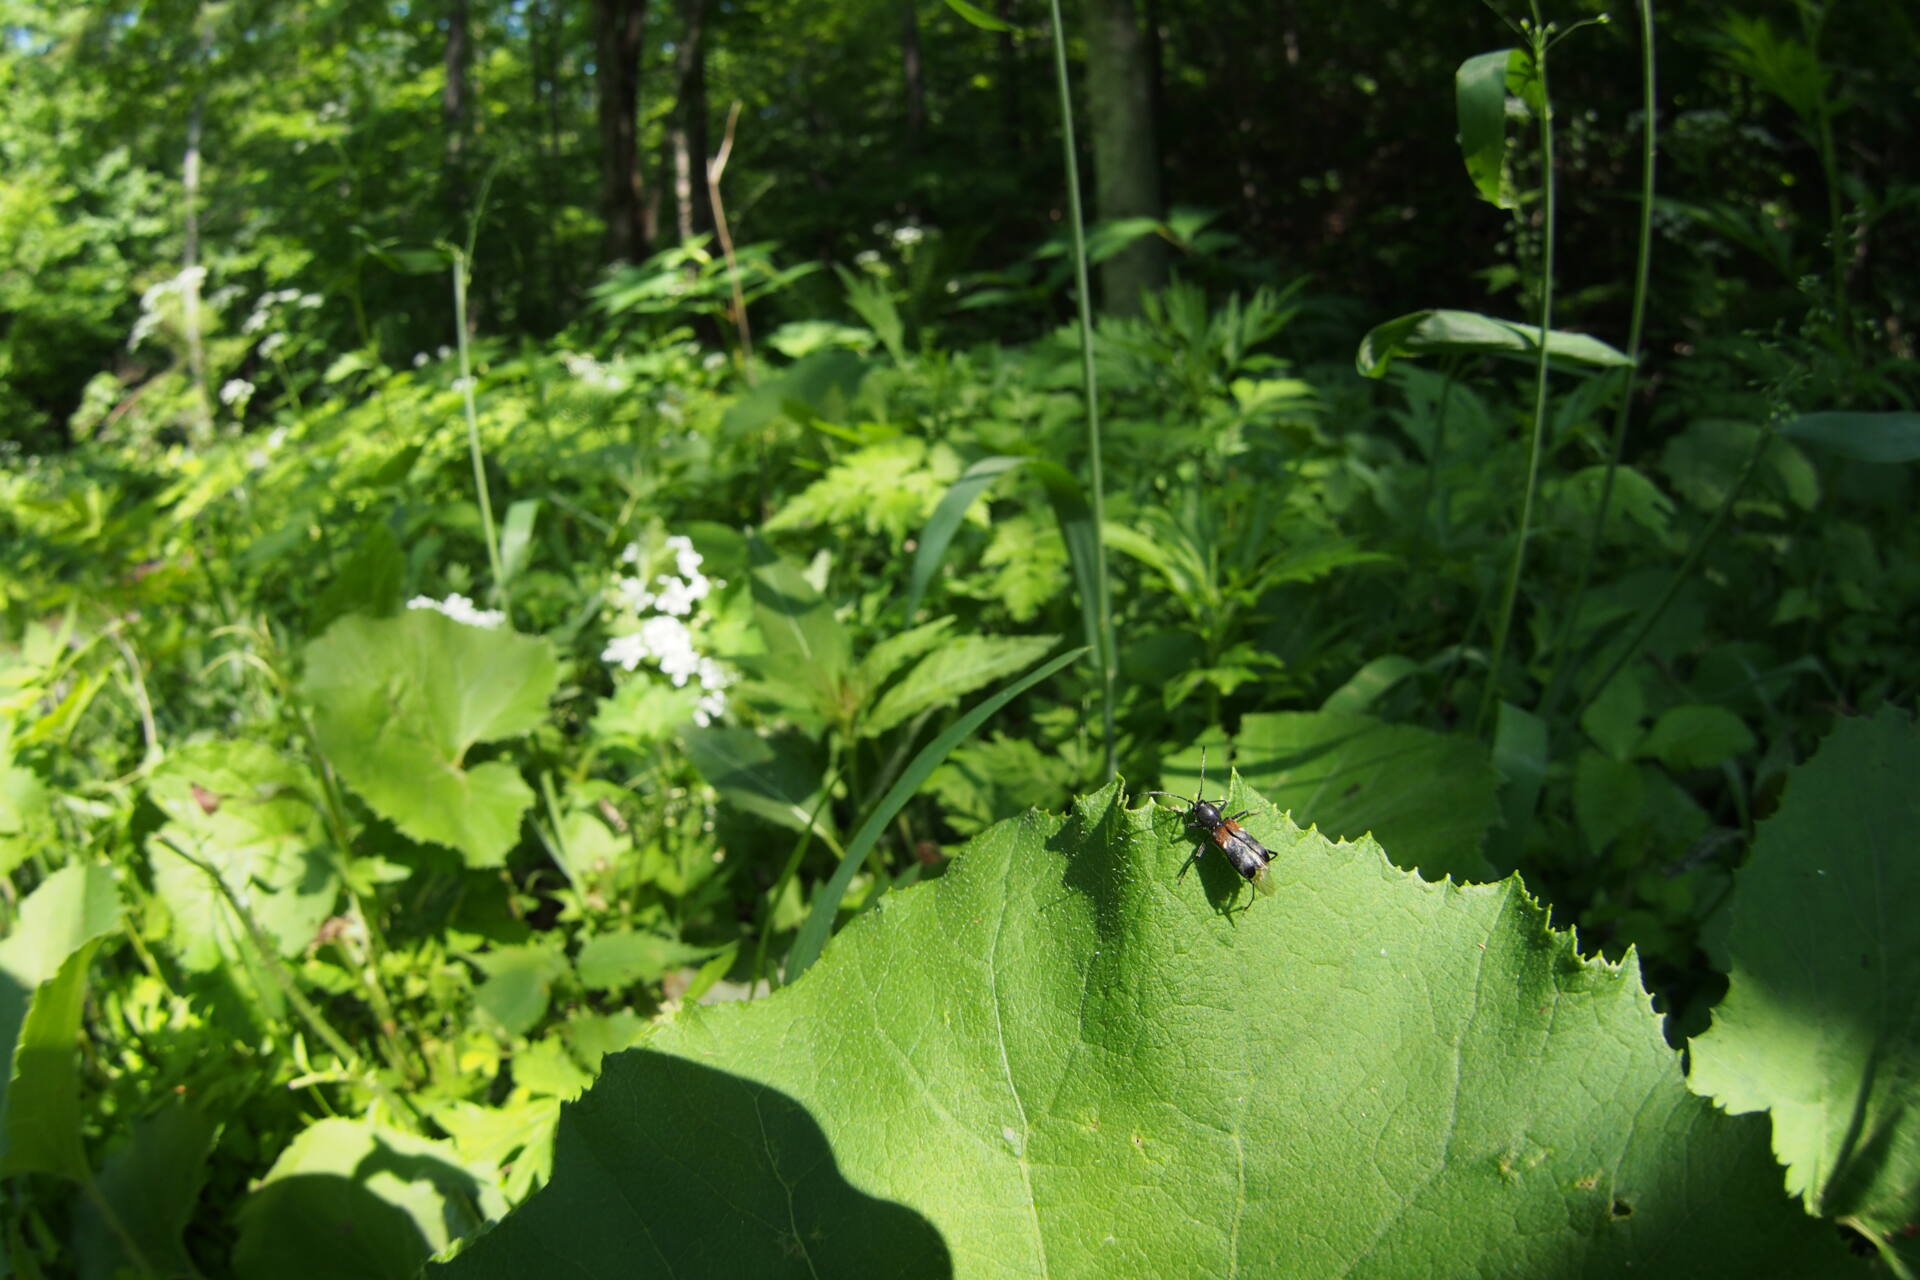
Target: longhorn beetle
[{"x": 1248, "y": 856}]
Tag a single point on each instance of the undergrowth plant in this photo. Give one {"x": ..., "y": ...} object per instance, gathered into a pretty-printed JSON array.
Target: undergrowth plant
[{"x": 731, "y": 860}]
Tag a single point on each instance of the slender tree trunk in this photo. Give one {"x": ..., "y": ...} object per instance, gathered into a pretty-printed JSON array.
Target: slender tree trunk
[
  {"x": 912, "y": 79},
  {"x": 190, "y": 269},
  {"x": 1126, "y": 158},
  {"x": 618, "y": 29},
  {"x": 687, "y": 129},
  {"x": 454, "y": 112},
  {"x": 544, "y": 55}
]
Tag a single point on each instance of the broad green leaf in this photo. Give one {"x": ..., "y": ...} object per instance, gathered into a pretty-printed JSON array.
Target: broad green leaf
[
  {"x": 1609, "y": 797},
  {"x": 1696, "y": 737},
  {"x": 1428, "y": 333},
  {"x": 70, "y": 908},
  {"x": 950, "y": 672},
  {"x": 1821, "y": 1022},
  {"x": 350, "y": 1201},
  {"x": 40, "y": 1114},
  {"x": 244, "y": 810},
  {"x": 43, "y": 979},
  {"x": 1427, "y": 798},
  {"x": 1060, "y": 1059},
  {"x": 615, "y": 961},
  {"x": 151, "y": 1185},
  {"x": 397, "y": 704},
  {"x": 1480, "y": 100},
  {"x": 764, "y": 776},
  {"x": 812, "y": 935},
  {"x": 1868, "y": 437},
  {"x": 519, "y": 985}
]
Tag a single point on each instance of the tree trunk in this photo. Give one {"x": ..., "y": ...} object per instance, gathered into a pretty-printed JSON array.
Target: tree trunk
[
  {"x": 912, "y": 79},
  {"x": 618, "y": 29},
  {"x": 1126, "y": 159},
  {"x": 454, "y": 113},
  {"x": 687, "y": 128}
]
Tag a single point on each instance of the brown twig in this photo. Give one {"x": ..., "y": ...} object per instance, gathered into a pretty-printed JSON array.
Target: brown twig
[{"x": 716, "y": 167}]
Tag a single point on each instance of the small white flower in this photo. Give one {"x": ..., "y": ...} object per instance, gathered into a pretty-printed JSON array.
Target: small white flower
[
  {"x": 462, "y": 384},
  {"x": 624, "y": 651},
  {"x": 272, "y": 343},
  {"x": 277, "y": 437},
  {"x": 632, "y": 593},
  {"x": 420, "y": 359},
  {"x": 235, "y": 390},
  {"x": 685, "y": 558},
  {"x": 678, "y": 597},
  {"x": 460, "y": 609},
  {"x": 909, "y": 235},
  {"x": 866, "y": 257}
]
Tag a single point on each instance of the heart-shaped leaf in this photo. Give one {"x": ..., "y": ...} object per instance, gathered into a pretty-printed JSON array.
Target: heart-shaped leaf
[{"x": 398, "y": 702}]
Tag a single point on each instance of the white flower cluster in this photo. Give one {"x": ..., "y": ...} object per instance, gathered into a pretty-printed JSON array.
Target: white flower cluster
[
  {"x": 663, "y": 637},
  {"x": 460, "y": 609},
  {"x": 422, "y": 358},
  {"x": 154, "y": 302},
  {"x": 235, "y": 391},
  {"x": 598, "y": 376},
  {"x": 264, "y": 305}
]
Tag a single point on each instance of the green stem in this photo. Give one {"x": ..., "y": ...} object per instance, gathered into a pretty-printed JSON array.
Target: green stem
[
  {"x": 309, "y": 1013},
  {"x": 473, "y": 432},
  {"x": 1503, "y": 622},
  {"x": 1103, "y": 598},
  {"x": 1563, "y": 672}
]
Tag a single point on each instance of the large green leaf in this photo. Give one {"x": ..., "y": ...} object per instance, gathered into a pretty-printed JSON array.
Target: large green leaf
[
  {"x": 1468, "y": 333},
  {"x": 351, "y": 1201},
  {"x": 241, "y": 809},
  {"x": 150, "y": 1186},
  {"x": 43, "y": 983},
  {"x": 1071, "y": 1062},
  {"x": 1427, "y": 798},
  {"x": 1480, "y": 103},
  {"x": 1821, "y": 1023},
  {"x": 398, "y": 702}
]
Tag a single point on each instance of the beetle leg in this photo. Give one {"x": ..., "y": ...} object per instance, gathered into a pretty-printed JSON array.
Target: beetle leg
[{"x": 1188, "y": 864}]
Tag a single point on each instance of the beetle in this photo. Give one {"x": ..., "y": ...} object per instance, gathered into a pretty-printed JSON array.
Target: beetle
[{"x": 1248, "y": 856}]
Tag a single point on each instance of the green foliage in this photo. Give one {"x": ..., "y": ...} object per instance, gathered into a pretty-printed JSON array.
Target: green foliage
[
  {"x": 1822, "y": 1036},
  {"x": 320, "y": 910},
  {"x": 1103, "y": 1037},
  {"x": 397, "y": 703}
]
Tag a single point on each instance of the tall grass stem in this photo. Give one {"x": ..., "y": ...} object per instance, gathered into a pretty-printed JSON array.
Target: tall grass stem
[
  {"x": 1503, "y": 621},
  {"x": 1103, "y": 596},
  {"x": 1636, "y": 323}
]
